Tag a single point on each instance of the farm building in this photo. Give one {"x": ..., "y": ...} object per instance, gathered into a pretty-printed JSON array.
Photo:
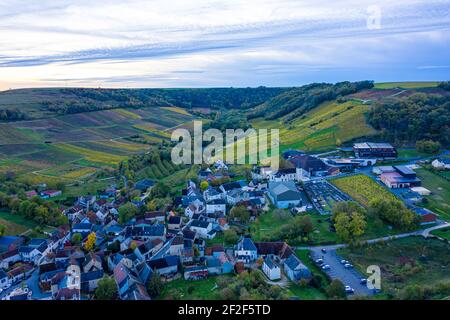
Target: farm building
[
  {"x": 403, "y": 177},
  {"x": 374, "y": 150},
  {"x": 284, "y": 194}
]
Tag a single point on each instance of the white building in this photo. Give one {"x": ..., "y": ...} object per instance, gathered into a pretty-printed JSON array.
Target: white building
[{"x": 271, "y": 269}]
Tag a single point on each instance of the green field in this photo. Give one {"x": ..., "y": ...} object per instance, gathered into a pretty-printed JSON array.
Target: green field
[
  {"x": 201, "y": 289},
  {"x": 405, "y": 262},
  {"x": 443, "y": 233},
  {"x": 322, "y": 128},
  {"x": 268, "y": 223},
  {"x": 15, "y": 224},
  {"x": 362, "y": 188},
  {"x": 439, "y": 200},
  {"x": 406, "y": 85}
]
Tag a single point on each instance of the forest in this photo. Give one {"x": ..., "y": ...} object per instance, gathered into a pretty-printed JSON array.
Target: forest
[{"x": 417, "y": 117}]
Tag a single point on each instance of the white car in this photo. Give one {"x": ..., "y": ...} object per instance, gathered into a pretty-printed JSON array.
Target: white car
[
  {"x": 344, "y": 261},
  {"x": 349, "y": 290},
  {"x": 348, "y": 265},
  {"x": 326, "y": 267}
]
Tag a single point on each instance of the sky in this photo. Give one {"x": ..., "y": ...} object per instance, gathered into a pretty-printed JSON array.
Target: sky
[{"x": 199, "y": 43}]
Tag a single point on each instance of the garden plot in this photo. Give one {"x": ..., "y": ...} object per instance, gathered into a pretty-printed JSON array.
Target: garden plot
[{"x": 323, "y": 195}]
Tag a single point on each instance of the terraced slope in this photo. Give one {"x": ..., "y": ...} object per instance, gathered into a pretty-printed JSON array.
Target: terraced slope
[
  {"x": 73, "y": 147},
  {"x": 322, "y": 128}
]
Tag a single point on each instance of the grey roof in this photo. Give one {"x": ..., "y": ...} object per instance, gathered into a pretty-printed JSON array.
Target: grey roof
[
  {"x": 248, "y": 244},
  {"x": 199, "y": 224},
  {"x": 270, "y": 263},
  {"x": 284, "y": 191},
  {"x": 294, "y": 263}
]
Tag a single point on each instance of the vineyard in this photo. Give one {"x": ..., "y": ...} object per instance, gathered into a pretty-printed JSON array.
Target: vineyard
[{"x": 362, "y": 188}]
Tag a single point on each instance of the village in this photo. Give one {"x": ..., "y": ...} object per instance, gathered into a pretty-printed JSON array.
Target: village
[{"x": 207, "y": 230}]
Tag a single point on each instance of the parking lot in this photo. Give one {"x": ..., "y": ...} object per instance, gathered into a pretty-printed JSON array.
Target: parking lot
[
  {"x": 324, "y": 195},
  {"x": 348, "y": 276}
]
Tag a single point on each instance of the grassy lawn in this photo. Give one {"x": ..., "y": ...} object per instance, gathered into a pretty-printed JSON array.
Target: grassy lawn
[
  {"x": 322, "y": 233},
  {"x": 443, "y": 233},
  {"x": 362, "y": 188},
  {"x": 306, "y": 293},
  {"x": 267, "y": 223},
  {"x": 15, "y": 225},
  {"x": 410, "y": 153},
  {"x": 201, "y": 289},
  {"x": 439, "y": 200},
  {"x": 405, "y": 262}
]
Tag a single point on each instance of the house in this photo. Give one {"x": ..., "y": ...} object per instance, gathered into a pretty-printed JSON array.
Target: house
[
  {"x": 89, "y": 280},
  {"x": 4, "y": 279},
  {"x": 217, "y": 205},
  {"x": 174, "y": 223},
  {"x": 212, "y": 193},
  {"x": 261, "y": 173},
  {"x": 20, "y": 272},
  {"x": 155, "y": 216},
  {"x": 146, "y": 232},
  {"x": 202, "y": 228},
  {"x": 129, "y": 285},
  {"x": 374, "y": 150},
  {"x": 284, "y": 194},
  {"x": 441, "y": 163},
  {"x": 287, "y": 174},
  {"x": 227, "y": 187},
  {"x": 84, "y": 228},
  {"x": 92, "y": 262},
  {"x": 295, "y": 269},
  {"x": 219, "y": 263},
  {"x": 144, "y": 184},
  {"x": 195, "y": 205},
  {"x": 8, "y": 258},
  {"x": 271, "y": 269},
  {"x": 246, "y": 250},
  {"x": 195, "y": 272},
  {"x": 167, "y": 266},
  {"x": 147, "y": 249},
  {"x": 428, "y": 218},
  {"x": 403, "y": 177},
  {"x": 176, "y": 246},
  {"x": 50, "y": 194},
  {"x": 309, "y": 166},
  {"x": 34, "y": 250}
]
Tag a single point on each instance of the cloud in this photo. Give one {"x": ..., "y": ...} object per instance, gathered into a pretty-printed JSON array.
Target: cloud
[{"x": 286, "y": 42}]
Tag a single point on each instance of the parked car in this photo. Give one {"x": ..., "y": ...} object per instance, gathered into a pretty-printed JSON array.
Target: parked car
[
  {"x": 326, "y": 267},
  {"x": 319, "y": 261},
  {"x": 344, "y": 261},
  {"x": 324, "y": 250},
  {"x": 348, "y": 265},
  {"x": 363, "y": 281},
  {"x": 349, "y": 290}
]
